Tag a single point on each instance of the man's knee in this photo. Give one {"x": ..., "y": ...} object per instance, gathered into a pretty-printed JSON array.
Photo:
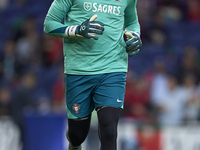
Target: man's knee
[
  {"x": 75, "y": 138},
  {"x": 108, "y": 132},
  {"x": 78, "y": 130},
  {"x": 108, "y": 120}
]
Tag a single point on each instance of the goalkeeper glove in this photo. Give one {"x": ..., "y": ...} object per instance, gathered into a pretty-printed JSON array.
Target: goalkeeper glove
[
  {"x": 87, "y": 29},
  {"x": 134, "y": 43}
]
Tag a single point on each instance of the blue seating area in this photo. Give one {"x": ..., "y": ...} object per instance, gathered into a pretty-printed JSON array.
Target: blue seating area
[
  {"x": 180, "y": 35},
  {"x": 13, "y": 13}
]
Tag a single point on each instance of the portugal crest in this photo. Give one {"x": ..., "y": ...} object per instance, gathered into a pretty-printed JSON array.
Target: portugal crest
[
  {"x": 87, "y": 6},
  {"x": 76, "y": 108}
]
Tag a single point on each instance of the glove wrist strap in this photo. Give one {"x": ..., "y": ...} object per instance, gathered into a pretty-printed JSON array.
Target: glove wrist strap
[
  {"x": 71, "y": 31},
  {"x": 138, "y": 34}
]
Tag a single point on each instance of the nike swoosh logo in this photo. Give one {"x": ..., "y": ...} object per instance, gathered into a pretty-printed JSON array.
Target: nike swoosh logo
[{"x": 119, "y": 100}]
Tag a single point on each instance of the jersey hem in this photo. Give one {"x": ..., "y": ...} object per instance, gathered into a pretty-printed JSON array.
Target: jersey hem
[{"x": 93, "y": 72}]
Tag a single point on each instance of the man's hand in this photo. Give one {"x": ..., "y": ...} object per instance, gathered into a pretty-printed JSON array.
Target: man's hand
[
  {"x": 87, "y": 29},
  {"x": 134, "y": 43}
]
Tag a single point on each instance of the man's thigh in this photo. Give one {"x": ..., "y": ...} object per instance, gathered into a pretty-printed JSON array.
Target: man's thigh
[
  {"x": 111, "y": 90},
  {"x": 78, "y": 90}
]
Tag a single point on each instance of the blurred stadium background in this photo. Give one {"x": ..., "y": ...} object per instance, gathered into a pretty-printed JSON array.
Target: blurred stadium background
[{"x": 162, "y": 102}]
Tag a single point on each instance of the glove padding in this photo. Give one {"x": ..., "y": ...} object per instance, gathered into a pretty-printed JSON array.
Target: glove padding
[
  {"x": 87, "y": 29},
  {"x": 134, "y": 43}
]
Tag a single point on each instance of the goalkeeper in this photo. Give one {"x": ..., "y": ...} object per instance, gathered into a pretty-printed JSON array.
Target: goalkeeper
[{"x": 95, "y": 62}]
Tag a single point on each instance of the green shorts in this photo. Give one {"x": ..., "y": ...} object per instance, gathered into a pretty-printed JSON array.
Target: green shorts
[{"x": 84, "y": 93}]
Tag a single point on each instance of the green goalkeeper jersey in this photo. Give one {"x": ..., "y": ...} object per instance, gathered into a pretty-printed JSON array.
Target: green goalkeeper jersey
[{"x": 84, "y": 56}]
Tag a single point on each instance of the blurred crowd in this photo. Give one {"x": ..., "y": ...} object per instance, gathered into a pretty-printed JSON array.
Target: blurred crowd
[{"x": 167, "y": 92}]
